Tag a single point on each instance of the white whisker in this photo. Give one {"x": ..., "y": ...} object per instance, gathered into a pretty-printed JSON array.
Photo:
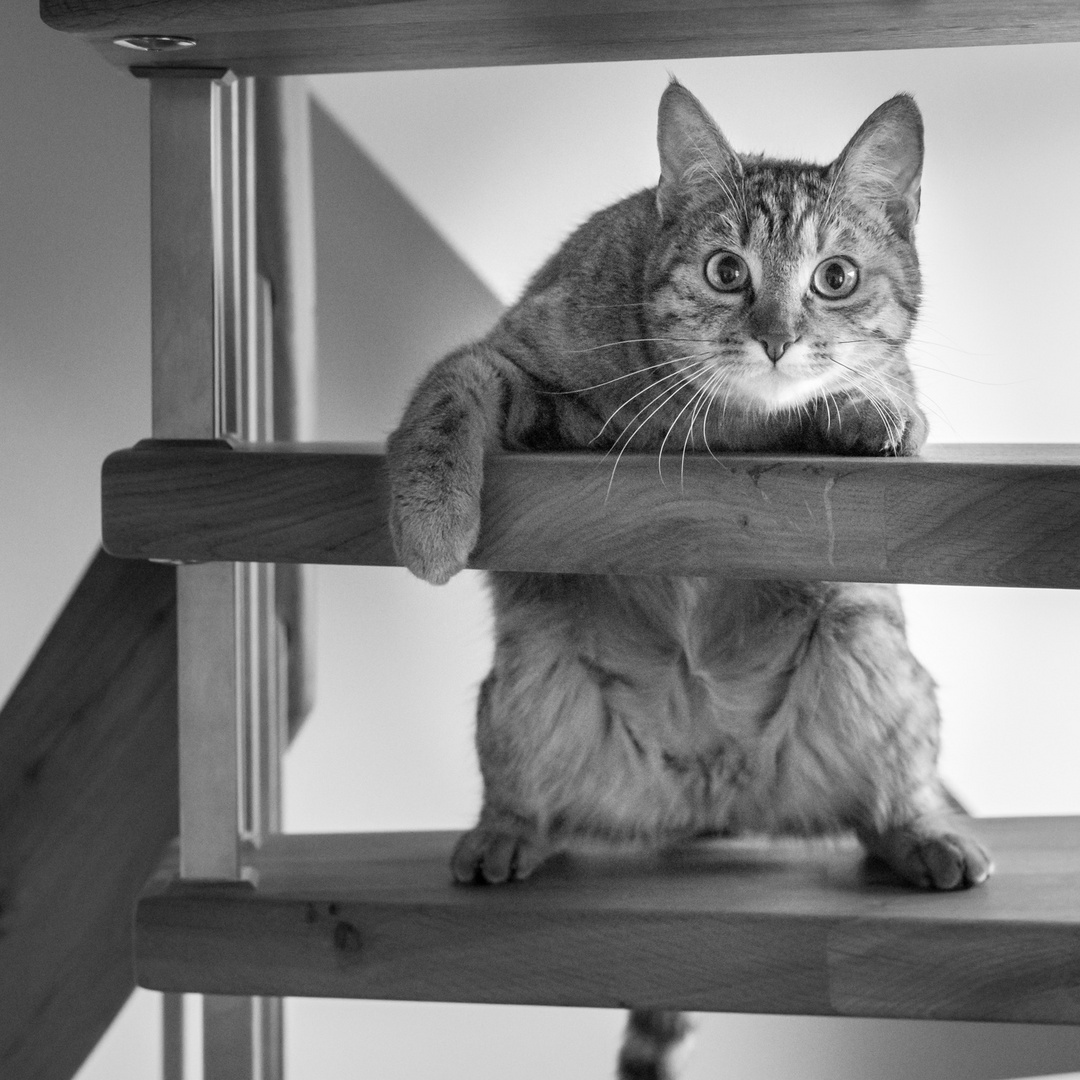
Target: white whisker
[
  {"x": 651, "y": 386},
  {"x": 617, "y": 378},
  {"x": 634, "y": 341},
  {"x": 703, "y": 395},
  {"x": 657, "y": 404},
  {"x": 671, "y": 428}
]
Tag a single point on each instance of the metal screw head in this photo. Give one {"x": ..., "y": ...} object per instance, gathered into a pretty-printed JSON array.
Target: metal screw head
[{"x": 154, "y": 42}]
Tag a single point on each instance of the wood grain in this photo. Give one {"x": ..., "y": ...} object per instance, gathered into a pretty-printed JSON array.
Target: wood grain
[
  {"x": 88, "y": 801},
  {"x": 182, "y": 312},
  {"x": 278, "y": 37},
  {"x": 729, "y": 926},
  {"x": 961, "y": 515}
]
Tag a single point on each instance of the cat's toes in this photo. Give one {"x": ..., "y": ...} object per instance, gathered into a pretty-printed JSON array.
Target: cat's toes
[
  {"x": 912, "y": 435},
  {"x": 936, "y": 860},
  {"x": 875, "y": 430},
  {"x": 435, "y": 544},
  {"x": 494, "y": 857}
]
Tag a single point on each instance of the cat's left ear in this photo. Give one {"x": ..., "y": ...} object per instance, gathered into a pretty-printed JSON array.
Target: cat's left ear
[
  {"x": 883, "y": 162},
  {"x": 693, "y": 151}
]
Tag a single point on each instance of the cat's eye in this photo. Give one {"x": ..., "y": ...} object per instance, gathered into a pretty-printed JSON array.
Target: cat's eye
[
  {"x": 727, "y": 272},
  {"x": 836, "y": 278}
]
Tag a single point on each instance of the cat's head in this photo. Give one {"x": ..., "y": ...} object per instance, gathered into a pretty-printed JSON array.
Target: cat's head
[{"x": 784, "y": 281}]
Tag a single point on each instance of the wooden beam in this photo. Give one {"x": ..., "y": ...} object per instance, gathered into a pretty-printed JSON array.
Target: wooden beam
[
  {"x": 751, "y": 926},
  {"x": 88, "y": 783},
  {"x": 280, "y": 37},
  {"x": 961, "y": 515}
]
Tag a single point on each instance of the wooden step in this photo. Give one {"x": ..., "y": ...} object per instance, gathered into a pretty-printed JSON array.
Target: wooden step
[
  {"x": 746, "y": 926},
  {"x": 961, "y": 514},
  {"x": 281, "y": 37}
]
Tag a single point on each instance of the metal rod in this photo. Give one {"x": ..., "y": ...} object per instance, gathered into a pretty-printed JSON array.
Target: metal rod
[
  {"x": 172, "y": 1037},
  {"x": 241, "y": 1037}
]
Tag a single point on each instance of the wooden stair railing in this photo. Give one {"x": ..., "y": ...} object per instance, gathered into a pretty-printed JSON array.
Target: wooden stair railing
[
  {"x": 88, "y": 806},
  {"x": 758, "y": 927},
  {"x": 376, "y": 915}
]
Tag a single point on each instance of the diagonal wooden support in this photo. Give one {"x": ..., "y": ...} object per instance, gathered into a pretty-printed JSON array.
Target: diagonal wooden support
[{"x": 88, "y": 782}]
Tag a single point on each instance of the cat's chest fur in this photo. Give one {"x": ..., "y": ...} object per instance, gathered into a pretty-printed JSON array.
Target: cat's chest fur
[{"x": 664, "y": 703}]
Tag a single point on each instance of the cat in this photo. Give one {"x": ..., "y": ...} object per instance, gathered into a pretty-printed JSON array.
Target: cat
[{"x": 743, "y": 304}]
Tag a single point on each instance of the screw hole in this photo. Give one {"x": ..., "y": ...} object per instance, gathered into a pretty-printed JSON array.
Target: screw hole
[{"x": 154, "y": 42}]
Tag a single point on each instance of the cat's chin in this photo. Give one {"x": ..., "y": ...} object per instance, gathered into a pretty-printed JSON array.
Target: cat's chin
[{"x": 771, "y": 390}]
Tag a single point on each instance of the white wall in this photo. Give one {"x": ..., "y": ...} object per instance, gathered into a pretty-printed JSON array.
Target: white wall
[
  {"x": 504, "y": 162},
  {"x": 74, "y": 345}
]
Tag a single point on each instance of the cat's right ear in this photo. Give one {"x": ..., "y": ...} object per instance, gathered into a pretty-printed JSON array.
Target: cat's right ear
[
  {"x": 693, "y": 152},
  {"x": 883, "y": 162}
]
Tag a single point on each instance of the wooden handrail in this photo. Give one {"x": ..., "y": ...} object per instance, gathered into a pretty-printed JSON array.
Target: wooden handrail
[
  {"x": 279, "y": 37},
  {"x": 88, "y": 802},
  {"x": 961, "y": 514}
]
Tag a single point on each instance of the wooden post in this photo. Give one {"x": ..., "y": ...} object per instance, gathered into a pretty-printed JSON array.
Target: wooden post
[
  {"x": 212, "y": 369},
  {"x": 188, "y": 286}
]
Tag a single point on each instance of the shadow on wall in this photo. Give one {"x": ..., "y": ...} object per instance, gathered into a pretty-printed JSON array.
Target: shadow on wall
[
  {"x": 389, "y": 743},
  {"x": 393, "y": 297}
]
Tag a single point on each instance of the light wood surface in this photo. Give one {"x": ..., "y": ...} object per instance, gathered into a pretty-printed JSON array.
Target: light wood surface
[
  {"x": 962, "y": 514},
  {"x": 185, "y": 315},
  {"x": 277, "y": 37},
  {"x": 88, "y": 801},
  {"x": 211, "y": 709},
  {"x": 788, "y": 927}
]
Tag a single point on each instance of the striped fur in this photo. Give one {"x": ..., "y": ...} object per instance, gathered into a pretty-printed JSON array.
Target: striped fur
[{"x": 651, "y": 710}]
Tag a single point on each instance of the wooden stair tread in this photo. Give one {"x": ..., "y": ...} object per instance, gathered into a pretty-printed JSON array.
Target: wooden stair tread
[
  {"x": 959, "y": 514},
  {"x": 279, "y": 37},
  {"x": 746, "y": 925}
]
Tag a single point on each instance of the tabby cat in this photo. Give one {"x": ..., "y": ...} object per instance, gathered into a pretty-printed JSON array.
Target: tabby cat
[{"x": 743, "y": 304}]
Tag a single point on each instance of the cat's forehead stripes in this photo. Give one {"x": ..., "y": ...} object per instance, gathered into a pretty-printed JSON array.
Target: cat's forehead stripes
[{"x": 783, "y": 205}]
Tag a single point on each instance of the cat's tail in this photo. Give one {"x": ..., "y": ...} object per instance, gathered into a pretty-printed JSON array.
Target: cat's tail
[{"x": 649, "y": 1044}]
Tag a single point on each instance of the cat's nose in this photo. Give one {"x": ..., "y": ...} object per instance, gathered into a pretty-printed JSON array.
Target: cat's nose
[{"x": 775, "y": 345}]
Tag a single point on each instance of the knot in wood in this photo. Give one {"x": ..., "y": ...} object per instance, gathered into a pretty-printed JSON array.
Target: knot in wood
[{"x": 346, "y": 938}]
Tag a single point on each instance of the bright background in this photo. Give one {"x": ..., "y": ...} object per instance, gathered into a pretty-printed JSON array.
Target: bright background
[{"x": 502, "y": 163}]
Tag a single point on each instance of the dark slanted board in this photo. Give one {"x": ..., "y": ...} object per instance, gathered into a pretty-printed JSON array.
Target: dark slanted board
[
  {"x": 88, "y": 803},
  {"x": 961, "y": 514},
  {"x": 753, "y": 926},
  {"x": 279, "y": 37}
]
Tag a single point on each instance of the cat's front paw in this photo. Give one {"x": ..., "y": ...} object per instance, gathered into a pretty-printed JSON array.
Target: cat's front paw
[
  {"x": 495, "y": 856},
  {"x": 875, "y": 428},
  {"x": 434, "y": 539},
  {"x": 934, "y": 858}
]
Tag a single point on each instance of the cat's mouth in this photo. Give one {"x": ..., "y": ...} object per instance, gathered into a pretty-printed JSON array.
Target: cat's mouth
[{"x": 787, "y": 384}]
